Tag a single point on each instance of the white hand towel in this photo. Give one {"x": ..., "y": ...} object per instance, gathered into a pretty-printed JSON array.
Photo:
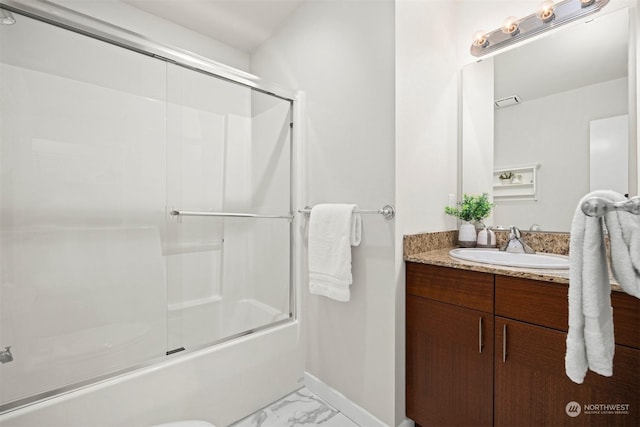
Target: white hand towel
[
  {"x": 333, "y": 229},
  {"x": 624, "y": 235},
  {"x": 590, "y": 340}
]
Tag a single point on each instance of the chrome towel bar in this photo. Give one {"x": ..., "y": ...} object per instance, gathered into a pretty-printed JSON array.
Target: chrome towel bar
[
  {"x": 598, "y": 207},
  {"x": 387, "y": 211},
  {"x": 228, "y": 214}
]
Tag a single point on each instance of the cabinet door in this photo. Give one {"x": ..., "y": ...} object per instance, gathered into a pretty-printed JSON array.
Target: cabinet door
[
  {"x": 531, "y": 388},
  {"x": 449, "y": 364}
]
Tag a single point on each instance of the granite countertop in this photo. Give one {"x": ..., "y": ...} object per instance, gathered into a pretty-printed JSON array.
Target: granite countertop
[
  {"x": 433, "y": 249},
  {"x": 442, "y": 258}
]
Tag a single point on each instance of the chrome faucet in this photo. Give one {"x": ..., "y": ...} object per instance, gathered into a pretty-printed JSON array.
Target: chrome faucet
[
  {"x": 515, "y": 243},
  {"x": 5, "y": 355}
]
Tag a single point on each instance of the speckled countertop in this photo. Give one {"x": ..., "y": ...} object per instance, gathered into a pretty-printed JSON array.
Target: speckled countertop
[
  {"x": 441, "y": 257},
  {"x": 433, "y": 248}
]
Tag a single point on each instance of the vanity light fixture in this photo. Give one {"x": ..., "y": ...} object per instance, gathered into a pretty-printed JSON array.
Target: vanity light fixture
[{"x": 549, "y": 15}]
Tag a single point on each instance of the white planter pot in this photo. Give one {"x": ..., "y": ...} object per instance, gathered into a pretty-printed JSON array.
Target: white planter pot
[{"x": 467, "y": 236}]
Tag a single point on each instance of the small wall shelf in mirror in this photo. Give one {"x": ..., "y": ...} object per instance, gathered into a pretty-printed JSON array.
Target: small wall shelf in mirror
[{"x": 515, "y": 183}]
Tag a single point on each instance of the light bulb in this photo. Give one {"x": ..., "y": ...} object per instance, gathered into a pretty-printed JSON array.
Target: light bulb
[
  {"x": 480, "y": 38},
  {"x": 546, "y": 11},
  {"x": 510, "y": 26}
]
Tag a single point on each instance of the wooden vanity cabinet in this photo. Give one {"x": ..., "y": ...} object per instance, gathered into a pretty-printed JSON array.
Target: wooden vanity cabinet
[
  {"x": 531, "y": 387},
  {"x": 449, "y": 377},
  {"x": 451, "y": 382}
]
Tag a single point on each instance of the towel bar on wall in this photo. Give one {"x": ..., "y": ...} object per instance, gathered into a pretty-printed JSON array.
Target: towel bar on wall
[
  {"x": 228, "y": 214},
  {"x": 598, "y": 207},
  {"x": 387, "y": 211}
]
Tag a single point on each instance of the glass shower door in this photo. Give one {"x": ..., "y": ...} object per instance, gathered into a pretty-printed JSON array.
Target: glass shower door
[
  {"x": 82, "y": 198},
  {"x": 228, "y": 153},
  {"x": 99, "y": 145}
]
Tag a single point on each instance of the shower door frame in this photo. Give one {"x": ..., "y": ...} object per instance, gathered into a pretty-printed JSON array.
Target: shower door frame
[{"x": 68, "y": 19}]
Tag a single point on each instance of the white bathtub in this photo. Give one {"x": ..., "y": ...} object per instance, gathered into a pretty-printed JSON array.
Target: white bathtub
[
  {"x": 210, "y": 321},
  {"x": 210, "y": 384}
]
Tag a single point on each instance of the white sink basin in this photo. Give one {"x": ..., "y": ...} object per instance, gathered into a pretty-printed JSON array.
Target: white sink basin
[{"x": 496, "y": 257}]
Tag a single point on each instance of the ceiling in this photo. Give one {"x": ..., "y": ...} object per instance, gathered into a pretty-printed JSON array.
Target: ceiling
[{"x": 242, "y": 24}]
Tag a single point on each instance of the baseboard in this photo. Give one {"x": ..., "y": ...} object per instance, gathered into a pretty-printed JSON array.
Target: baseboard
[{"x": 351, "y": 410}]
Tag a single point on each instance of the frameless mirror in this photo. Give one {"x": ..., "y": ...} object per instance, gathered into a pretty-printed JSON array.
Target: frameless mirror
[{"x": 555, "y": 119}]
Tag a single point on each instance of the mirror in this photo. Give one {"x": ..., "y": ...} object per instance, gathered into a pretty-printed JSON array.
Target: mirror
[{"x": 553, "y": 118}]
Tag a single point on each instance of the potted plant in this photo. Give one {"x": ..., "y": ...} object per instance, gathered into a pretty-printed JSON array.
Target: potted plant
[
  {"x": 506, "y": 177},
  {"x": 470, "y": 209}
]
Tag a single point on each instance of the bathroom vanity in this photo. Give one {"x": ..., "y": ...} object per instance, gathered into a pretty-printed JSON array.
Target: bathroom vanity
[{"x": 485, "y": 346}]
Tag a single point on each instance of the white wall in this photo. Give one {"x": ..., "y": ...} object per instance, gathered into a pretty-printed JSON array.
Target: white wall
[
  {"x": 341, "y": 54},
  {"x": 426, "y": 137},
  {"x": 563, "y": 120}
]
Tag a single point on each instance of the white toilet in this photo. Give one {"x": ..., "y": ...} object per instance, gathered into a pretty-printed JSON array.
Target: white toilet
[{"x": 186, "y": 423}]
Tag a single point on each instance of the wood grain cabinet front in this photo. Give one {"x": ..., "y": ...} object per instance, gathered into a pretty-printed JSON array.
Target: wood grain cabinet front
[
  {"x": 470, "y": 364},
  {"x": 449, "y": 353},
  {"x": 531, "y": 387}
]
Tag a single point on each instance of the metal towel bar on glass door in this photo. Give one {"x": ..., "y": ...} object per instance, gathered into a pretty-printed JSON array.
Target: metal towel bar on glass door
[
  {"x": 387, "y": 211},
  {"x": 228, "y": 214},
  {"x": 598, "y": 207}
]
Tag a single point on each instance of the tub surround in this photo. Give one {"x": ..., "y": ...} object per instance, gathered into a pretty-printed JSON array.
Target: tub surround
[{"x": 433, "y": 249}]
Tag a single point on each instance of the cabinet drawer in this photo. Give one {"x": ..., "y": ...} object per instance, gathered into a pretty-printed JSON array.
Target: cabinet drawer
[
  {"x": 532, "y": 301},
  {"x": 546, "y": 304},
  {"x": 464, "y": 288}
]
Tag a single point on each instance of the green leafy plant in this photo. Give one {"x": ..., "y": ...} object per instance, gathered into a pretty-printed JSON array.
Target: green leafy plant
[
  {"x": 506, "y": 175},
  {"x": 471, "y": 208}
]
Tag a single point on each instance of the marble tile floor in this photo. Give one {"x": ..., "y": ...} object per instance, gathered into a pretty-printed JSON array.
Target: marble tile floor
[{"x": 300, "y": 408}]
